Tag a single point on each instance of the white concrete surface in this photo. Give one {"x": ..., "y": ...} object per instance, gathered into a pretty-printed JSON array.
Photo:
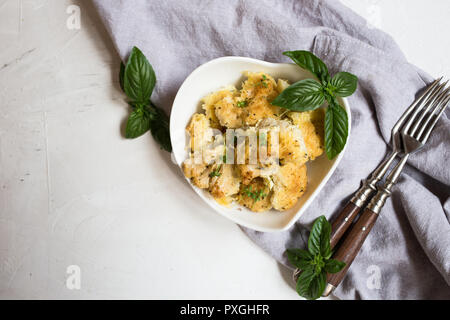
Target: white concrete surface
[{"x": 74, "y": 192}]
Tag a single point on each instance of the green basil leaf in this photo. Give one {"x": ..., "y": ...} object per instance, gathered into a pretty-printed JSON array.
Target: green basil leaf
[
  {"x": 121, "y": 75},
  {"x": 139, "y": 77},
  {"x": 299, "y": 258},
  {"x": 159, "y": 126},
  {"x": 334, "y": 266},
  {"x": 330, "y": 253},
  {"x": 336, "y": 129},
  {"x": 301, "y": 96},
  {"x": 319, "y": 237},
  {"x": 304, "y": 280},
  {"x": 344, "y": 84},
  {"x": 138, "y": 122},
  {"x": 310, "y": 285},
  {"x": 309, "y": 61},
  {"x": 317, "y": 286},
  {"x": 325, "y": 246}
]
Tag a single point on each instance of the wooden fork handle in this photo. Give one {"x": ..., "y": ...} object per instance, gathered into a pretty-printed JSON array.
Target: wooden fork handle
[
  {"x": 351, "y": 245},
  {"x": 342, "y": 222}
]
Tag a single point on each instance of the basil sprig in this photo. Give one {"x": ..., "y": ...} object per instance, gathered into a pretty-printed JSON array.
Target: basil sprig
[
  {"x": 137, "y": 79},
  {"x": 315, "y": 262},
  {"x": 310, "y": 94}
]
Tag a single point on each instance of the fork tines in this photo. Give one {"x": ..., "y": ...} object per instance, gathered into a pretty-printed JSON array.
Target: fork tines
[{"x": 427, "y": 111}]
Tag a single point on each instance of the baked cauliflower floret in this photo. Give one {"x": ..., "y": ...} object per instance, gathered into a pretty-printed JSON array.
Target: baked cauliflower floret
[
  {"x": 259, "y": 108},
  {"x": 209, "y": 104},
  {"x": 291, "y": 144},
  {"x": 191, "y": 169},
  {"x": 255, "y": 195},
  {"x": 252, "y": 171},
  {"x": 202, "y": 180},
  {"x": 289, "y": 185},
  {"x": 311, "y": 125},
  {"x": 198, "y": 173},
  {"x": 206, "y": 143},
  {"x": 199, "y": 131},
  {"x": 257, "y": 92},
  {"x": 258, "y": 84},
  {"x": 228, "y": 113},
  {"x": 261, "y": 163},
  {"x": 225, "y": 182}
]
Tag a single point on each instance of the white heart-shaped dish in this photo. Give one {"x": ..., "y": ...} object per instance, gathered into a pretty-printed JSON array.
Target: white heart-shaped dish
[{"x": 214, "y": 75}]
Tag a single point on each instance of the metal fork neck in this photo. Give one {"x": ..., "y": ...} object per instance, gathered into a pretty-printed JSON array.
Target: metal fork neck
[
  {"x": 384, "y": 192},
  {"x": 369, "y": 185}
]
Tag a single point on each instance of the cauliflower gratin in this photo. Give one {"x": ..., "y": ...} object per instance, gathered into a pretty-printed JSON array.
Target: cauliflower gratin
[{"x": 265, "y": 184}]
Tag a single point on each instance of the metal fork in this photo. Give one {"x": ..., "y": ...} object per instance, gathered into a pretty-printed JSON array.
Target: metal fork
[
  {"x": 350, "y": 211},
  {"x": 345, "y": 218},
  {"x": 409, "y": 135}
]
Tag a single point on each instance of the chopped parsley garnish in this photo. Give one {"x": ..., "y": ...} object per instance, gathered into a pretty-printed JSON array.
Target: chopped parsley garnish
[
  {"x": 242, "y": 104},
  {"x": 216, "y": 173},
  {"x": 255, "y": 195},
  {"x": 263, "y": 81}
]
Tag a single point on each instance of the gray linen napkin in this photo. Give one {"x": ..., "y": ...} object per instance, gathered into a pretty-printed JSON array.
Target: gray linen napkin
[{"x": 407, "y": 255}]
